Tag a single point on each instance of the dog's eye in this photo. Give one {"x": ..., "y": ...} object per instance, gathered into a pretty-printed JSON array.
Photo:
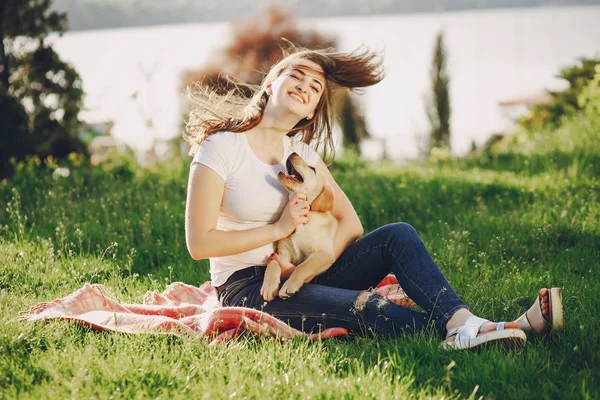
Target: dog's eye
[{"x": 313, "y": 168}]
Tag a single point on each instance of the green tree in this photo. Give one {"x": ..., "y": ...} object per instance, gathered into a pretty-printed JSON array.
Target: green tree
[
  {"x": 564, "y": 103},
  {"x": 589, "y": 98},
  {"x": 438, "y": 103},
  {"x": 40, "y": 94},
  {"x": 352, "y": 123}
]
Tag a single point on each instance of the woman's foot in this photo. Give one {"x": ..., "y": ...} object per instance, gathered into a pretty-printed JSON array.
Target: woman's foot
[
  {"x": 545, "y": 315},
  {"x": 461, "y": 316},
  {"x": 544, "y": 300}
]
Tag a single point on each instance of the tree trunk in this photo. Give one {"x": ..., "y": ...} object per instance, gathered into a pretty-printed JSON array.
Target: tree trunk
[{"x": 3, "y": 59}]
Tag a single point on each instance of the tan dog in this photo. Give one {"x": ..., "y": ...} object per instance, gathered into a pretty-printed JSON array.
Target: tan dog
[{"x": 310, "y": 246}]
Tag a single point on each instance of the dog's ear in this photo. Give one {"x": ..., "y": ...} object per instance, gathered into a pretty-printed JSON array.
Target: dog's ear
[{"x": 324, "y": 201}]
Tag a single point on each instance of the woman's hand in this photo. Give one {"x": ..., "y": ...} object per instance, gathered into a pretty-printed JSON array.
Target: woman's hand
[{"x": 294, "y": 213}]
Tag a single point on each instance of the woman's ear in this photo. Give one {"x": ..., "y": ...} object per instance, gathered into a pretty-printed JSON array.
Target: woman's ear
[{"x": 324, "y": 201}]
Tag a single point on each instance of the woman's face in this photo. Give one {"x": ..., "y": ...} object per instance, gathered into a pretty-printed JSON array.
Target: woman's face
[{"x": 299, "y": 88}]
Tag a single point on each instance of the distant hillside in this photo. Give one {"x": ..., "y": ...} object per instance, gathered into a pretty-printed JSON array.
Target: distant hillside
[{"x": 101, "y": 14}]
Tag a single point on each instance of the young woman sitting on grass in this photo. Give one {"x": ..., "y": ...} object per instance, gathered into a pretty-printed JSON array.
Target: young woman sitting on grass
[{"x": 236, "y": 209}]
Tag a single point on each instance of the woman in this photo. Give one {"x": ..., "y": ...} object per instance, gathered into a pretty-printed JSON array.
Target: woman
[{"x": 236, "y": 209}]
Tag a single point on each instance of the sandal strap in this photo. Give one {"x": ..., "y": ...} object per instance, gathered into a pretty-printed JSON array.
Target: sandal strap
[
  {"x": 452, "y": 332},
  {"x": 468, "y": 330},
  {"x": 533, "y": 321}
]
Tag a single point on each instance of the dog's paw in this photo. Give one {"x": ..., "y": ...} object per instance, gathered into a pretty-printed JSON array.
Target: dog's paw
[
  {"x": 269, "y": 291},
  {"x": 289, "y": 288}
]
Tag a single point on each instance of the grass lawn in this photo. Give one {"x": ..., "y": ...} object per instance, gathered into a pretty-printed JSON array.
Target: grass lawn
[{"x": 500, "y": 225}]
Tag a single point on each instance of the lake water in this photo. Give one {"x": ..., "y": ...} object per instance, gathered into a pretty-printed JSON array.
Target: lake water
[{"x": 133, "y": 75}]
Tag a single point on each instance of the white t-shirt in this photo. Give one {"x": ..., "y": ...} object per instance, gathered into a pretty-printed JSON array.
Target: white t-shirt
[{"x": 253, "y": 196}]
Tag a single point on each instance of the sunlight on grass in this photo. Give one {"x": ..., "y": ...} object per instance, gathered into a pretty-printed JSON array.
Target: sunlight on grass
[{"x": 500, "y": 225}]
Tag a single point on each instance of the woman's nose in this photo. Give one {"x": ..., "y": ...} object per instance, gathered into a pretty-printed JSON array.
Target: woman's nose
[{"x": 301, "y": 87}]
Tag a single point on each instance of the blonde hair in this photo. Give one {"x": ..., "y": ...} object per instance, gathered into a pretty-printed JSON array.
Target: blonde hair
[{"x": 212, "y": 112}]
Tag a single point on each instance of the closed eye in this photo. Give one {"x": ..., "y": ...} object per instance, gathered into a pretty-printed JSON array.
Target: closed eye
[{"x": 299, "y": 75}]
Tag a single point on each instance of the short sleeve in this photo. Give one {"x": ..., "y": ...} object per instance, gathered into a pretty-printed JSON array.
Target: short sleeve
[
  {"x": 307, "y": 153},
  {"x": 214, "y": 154}
]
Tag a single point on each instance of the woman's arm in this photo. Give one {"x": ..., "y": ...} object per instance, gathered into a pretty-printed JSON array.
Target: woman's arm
[
  {"x": 349, "y": 226},
  {"x": 204, "y": 196}
]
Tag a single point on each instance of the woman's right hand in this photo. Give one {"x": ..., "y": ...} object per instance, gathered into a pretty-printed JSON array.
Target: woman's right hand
[{"x": 294, "y": 213}]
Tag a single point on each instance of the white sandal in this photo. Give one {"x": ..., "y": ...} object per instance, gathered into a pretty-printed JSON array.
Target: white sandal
[
  {"x": 466, "y": 335},
  {"x": 534, "y": 322}
]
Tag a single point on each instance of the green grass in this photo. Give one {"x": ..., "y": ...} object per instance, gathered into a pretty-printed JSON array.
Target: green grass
[{"x": 500, "y": 225}]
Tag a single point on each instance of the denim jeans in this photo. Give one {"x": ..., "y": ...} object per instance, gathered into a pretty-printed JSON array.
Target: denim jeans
[{"x": 330, "y": 299}]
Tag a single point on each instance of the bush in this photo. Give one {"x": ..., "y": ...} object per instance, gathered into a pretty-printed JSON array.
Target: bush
[
  {"x": 589, "y": 99},
  {"x": 564, "y": 103}
]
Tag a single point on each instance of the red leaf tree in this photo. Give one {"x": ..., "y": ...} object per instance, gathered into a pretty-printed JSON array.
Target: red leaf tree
[{"x": 255, "y": 47}]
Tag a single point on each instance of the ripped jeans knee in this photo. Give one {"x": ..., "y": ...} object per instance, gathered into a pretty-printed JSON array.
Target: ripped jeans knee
[
  {"x": 381, "y": 314},
  {"x": 365, "y": 296}
]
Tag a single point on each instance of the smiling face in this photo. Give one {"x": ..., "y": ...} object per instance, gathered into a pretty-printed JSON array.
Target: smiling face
[{"x": 299, "y": 88}]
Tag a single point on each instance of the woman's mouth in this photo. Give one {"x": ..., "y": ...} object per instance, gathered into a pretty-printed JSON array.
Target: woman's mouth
[{"x": 296, "y": 97}]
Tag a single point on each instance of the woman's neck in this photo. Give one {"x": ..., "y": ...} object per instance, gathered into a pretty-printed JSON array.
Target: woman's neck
[
  {"x": 277, "y": 121},
  {"x": 271, "y": 131}
]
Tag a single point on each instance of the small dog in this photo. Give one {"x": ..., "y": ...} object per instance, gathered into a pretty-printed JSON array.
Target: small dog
[{"x": 310, "y": 246}]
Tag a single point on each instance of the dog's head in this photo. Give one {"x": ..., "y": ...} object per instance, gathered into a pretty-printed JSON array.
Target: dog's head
[{"x": 300, "y": 177}]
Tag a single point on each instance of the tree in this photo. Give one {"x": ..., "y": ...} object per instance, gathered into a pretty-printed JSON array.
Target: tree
[
  {"x": 589, "y": 98},
  {"x": 438, "y": 103},
  {"x": 352, "y": 123},
  {"x": 563, "y": 103},
  {"x": 257, "y": 45},
  {"x": 41, "y": 95}
]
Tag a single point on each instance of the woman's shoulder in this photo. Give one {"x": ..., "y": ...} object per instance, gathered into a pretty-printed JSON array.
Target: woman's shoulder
[
  {"x": 297, "y": 144},
  {"x": 224, "y": 141},
  {"x": 306, "y": 151},
  {"x": 223, "y": 137},
  {"x": 219, "y": 151}
]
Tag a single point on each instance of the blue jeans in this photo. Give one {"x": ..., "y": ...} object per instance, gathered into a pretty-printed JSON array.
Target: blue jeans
[{"x": 330, "y": 299}]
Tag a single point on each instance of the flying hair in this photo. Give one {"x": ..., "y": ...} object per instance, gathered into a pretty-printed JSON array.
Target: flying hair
[{"x": 233, "y": 111}]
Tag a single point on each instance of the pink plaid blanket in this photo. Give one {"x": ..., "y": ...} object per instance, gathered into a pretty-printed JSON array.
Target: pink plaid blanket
[{"x": 180, "y": 309}]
